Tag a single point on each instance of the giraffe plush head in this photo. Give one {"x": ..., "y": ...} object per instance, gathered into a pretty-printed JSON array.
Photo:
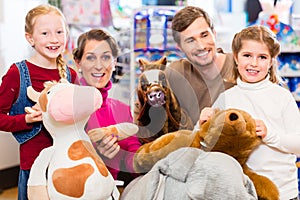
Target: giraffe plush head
[{"x": 157, "y": 110}]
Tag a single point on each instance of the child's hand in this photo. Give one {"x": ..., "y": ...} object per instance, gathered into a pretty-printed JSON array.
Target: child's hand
[
  {"x": 29, "y": 110},
  {"x": 108, "y": 146},
  {"x": 261, "y": 129},
  {"x": 34, "y": 114},
  {"x": 206, "y": 114},
  {"x": 36, "y": 107}
]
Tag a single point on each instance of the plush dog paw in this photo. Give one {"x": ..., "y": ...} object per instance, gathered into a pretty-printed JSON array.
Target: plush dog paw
[
  {"x": 265, "y": 188},
  {"x": 122, "y": 131},
  {"x": 150, "y": 153}
]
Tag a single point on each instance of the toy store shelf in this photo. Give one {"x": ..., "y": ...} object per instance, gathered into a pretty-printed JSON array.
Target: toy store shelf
[
  {"x": 151, "y": 38},
  {"x": 149, "y": 49},
  {"x": 297, "y": 96},
  {"x": 289, "y": 62},
  {"x": 286, "y": 49},
  {"x": 289, "y": 68},
  {"x": 289, "y": 72}
]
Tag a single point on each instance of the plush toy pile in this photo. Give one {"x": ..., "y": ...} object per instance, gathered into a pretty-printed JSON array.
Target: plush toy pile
[
  {"x": 230, "y": 131},
  {"x": 71, "y": 168}
]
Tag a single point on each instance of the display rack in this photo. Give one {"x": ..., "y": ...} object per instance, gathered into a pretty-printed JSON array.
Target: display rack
[
  {"x": 289, "y": 68},
  {"x": 289, "y": 58},
  {"x": 289, "y": 61},
  {"x": 151, "y": 39}
]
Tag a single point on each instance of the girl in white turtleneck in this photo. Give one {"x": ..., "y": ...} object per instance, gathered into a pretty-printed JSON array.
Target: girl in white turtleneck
[{"x": 258, "y": 92}]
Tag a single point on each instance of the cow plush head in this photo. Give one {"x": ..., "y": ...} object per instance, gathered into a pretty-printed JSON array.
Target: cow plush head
[{"x": 65, "y": 104}]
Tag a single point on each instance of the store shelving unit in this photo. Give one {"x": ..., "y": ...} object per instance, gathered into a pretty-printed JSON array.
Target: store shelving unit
[
  {"x": 289, "y": 58},
  {"x": 151, "y": 38},
  {"x": 289, "y": 68}
]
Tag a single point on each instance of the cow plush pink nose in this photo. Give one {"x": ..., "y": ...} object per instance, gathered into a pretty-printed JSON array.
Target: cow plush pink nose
[
  {"x": 62, "y": 105},
  {"x": 156, "y": 98}
]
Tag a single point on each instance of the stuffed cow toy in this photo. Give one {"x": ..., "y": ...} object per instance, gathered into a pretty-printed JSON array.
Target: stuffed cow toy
[
  {"x": 230, "y": 131},
  {"x": 71, "y": 168}
]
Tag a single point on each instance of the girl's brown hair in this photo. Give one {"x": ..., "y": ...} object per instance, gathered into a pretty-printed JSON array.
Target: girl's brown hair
[
  {"x": 94, "y": 34},
  {"x": 261, "y": 34},
  {"x": 29, "y": 28}
]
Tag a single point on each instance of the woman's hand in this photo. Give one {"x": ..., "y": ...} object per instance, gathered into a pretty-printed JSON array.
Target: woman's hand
[
  {"x": 108, "y": 146},
  {"x": 261, "y": 129}
]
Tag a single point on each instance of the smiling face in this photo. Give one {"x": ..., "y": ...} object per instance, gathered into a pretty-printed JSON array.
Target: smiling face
[
  {"x": 97, "y": 63},
  {"x": 48, "y": 36},
  {"x": 253, "y": 61},
  {"x": 198, "y": 43}
]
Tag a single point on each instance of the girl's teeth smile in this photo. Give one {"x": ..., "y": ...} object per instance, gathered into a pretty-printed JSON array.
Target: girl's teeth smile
[
  {"x": 252, "y": 71},
  {"x": 52, "y": 48}
]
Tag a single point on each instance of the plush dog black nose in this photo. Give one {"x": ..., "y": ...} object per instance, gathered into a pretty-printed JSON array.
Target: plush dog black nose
[{"x": 233, "y": 117}]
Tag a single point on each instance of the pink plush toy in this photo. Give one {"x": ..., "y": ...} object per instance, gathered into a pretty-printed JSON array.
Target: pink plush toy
[{"x": 71, "y": 168}]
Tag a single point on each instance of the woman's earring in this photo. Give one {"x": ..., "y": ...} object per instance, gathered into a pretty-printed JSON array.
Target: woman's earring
[{"x": 80, "y": 70}]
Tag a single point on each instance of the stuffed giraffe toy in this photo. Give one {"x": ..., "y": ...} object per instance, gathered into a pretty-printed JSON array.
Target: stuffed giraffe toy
[
  {"x": 70, "y": 168},
  {"x": 157, "y": 110}
]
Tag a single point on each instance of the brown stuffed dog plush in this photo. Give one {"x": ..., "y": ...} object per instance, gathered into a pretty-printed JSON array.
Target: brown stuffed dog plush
[
  {"x": 230, "y": 131},
  {"x": 157, "y": 110}
]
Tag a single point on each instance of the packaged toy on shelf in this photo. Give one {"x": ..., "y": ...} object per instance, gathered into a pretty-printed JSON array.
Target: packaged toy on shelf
[
  {"x": 294, "y": 86},
  {"x": 289, "y": 59},
  {"x": 289, "y": 64}
]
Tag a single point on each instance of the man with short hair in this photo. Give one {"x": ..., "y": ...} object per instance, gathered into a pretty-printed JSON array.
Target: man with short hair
[{"x": 198, "y": 79}]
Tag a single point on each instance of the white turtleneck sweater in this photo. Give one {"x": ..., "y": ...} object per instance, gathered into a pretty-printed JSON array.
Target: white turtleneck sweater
[{"x": 275, "y": 105}]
